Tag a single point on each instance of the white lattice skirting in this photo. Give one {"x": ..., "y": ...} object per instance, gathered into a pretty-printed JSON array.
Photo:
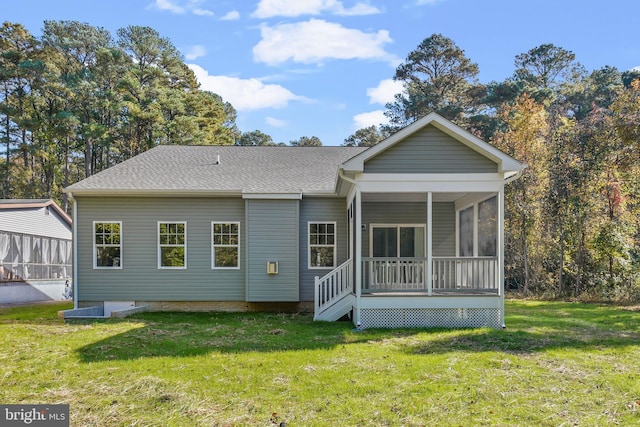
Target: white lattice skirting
[{"x": 430, "y": 318}]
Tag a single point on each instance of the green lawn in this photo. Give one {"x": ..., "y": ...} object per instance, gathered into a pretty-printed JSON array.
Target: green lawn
[{"x": 557, "y": 364}]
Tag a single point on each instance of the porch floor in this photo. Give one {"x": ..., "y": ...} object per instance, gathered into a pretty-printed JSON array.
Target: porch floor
[{"x": 439, "y": 293}]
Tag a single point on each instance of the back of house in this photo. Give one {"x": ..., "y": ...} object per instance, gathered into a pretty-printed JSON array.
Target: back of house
[{"x": 331, "y": 230}]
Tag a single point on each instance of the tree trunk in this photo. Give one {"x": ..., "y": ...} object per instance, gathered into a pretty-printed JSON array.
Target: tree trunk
[
  {"x": 561, "y": 269},
  {"x": 6, "y": 184},
  {"x": 525, "y": 257},
  {"x": 580, "y": 266},
  {"x": 65, "y": 196},
  {"x": 88, "y": 157}
]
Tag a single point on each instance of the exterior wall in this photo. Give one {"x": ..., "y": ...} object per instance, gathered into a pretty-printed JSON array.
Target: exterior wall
[
  {"x": 443, "y": 241},
  {"x": 35, "y": 221},
  {"x": 273, "y": 233},
  {"x": 320, "y": 210},
  {"x": 140, "y": 278},
  {"x": 37, "y": 290},
  {"x": 429, "y": 151},
  {"x": 443, "y": 227}
]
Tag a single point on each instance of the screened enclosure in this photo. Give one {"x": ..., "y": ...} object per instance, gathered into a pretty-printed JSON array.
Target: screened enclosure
[{"x": 26, "y": 257}]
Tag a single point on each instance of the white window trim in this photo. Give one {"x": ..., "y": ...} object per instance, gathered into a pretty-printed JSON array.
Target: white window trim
[
  {"x": 475, "y": 204},
  {"x": 95, "y": 252},
  {"x": 160, "y": 266},
  {"x": 334, "y": 246},
  {"x": 213, "y": 246},
  {"x": 397, "y": 226}
]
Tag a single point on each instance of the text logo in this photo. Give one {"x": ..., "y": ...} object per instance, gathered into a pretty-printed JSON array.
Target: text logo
[{"x": 34, "y": 415}]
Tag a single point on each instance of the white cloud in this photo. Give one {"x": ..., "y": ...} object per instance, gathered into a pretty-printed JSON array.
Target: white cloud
[
  {"x": 429, "y": 2},
  {"x": 372, "y": 118},
  {"x": 271, "y": 8},
  {"x": 245, "y": 94},
  {"x": 385, "y": 92},
  {"x": 636, "y": 68},
  {"x": 317, "y": 40},
  {"x": 276, "y": 123},
  {"x": 195, "y": 52},
  {"x": 202, "y": 12},
  {"x": 192, "y": 6},
  {"x": 231, "y": 16},
  {"x": 167, "y": 5}
]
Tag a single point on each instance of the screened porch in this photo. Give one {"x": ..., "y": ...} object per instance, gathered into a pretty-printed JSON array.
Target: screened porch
[{"x": 458, "y": 230}]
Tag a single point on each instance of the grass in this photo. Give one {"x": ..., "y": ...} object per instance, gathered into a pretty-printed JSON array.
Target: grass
[{"x": 557, "y": 364}]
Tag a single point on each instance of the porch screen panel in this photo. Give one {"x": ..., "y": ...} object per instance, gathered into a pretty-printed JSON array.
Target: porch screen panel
[
  {"x": 466, "y": 232},
  {"x": 412, "y": 242},
  {"x": 385, "y": 242},
  {"x": 5, "y": 240},
  {"x": 26, "y": 256},
  {"x": 487, "y": 227}
]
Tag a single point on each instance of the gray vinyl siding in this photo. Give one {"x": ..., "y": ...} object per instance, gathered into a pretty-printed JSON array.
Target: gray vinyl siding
[
  {"x": 443, "y": 241},
  {"x": 443, "y": 226},
  {"x": 35, "y": 221},
  {"x": 272, "y": 230},
  {"x": 429, "y": 151},
  {"x": 320, "y": 210},
  {"x": 140, "y": 278}
]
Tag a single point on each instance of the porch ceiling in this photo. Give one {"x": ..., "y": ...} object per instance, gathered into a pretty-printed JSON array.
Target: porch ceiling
[{"x": 411, "y": 197}]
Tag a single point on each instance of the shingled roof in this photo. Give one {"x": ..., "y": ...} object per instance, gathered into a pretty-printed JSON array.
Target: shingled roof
[{"x": 240, "y": 170}]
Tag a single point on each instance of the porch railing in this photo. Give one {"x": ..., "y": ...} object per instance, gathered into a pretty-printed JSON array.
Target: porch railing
[
  {"x": 465, "y": 274},
  {"x": 382, "y": 274},
  {"x": 333, "y": 286},
  {"x": 449, "y": 274}
]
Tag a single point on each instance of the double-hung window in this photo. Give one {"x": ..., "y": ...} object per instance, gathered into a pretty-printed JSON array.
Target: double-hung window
[
  {"x": 322, "y": 244},
  {"x": 225, "y": 245},
  {"x": 172, "y": 245},
  {"x": 107, "y": 244}
]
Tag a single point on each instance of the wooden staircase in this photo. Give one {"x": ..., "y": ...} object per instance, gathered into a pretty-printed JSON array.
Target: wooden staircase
[{"x": 334, "y": 295}]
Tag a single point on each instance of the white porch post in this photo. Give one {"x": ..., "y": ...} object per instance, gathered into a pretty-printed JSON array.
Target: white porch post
[
  {"x": 74, "y": 251},
  {"x": 429, "y": 268},
  {"x": 500, "y": 250},
  {"x": 358, "y": 254}
]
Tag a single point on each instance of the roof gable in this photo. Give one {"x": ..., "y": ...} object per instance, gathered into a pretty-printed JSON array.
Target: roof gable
[
  {"x": 429, "y": 150},
  {"x": 504, "y": 162},
  {"x": 21, "y": 204}
]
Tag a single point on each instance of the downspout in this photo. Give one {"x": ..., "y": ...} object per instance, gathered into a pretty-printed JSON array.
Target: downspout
[
  {"x": 346, "y": 178},
  {"x": 501, "y": 209},
  {"x": 358, "y": 244},
  {"x": 500, "y": 272},
  {"x": 74, "y": 258},
  {"x": 429, "y": 267}
]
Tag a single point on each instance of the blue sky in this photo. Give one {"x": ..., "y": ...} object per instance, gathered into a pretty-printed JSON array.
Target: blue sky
[{"x": 323, "y": 68}]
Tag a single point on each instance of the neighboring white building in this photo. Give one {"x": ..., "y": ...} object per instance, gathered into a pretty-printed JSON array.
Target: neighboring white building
[{"x": 35, "y": 250}]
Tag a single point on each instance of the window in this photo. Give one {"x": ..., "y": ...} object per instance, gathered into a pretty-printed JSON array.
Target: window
[
  {"x": 322, "y": 244},
  {"x": 225, "y": 245},
  {"x": 107, "y": 244},
  {"x": 172, "y": 245}
]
